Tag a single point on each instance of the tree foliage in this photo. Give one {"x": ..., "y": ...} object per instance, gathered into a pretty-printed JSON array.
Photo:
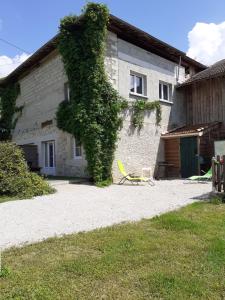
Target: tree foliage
[{"x": 8, "y": 108}]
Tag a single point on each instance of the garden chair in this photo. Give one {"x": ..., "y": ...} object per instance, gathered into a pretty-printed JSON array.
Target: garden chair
[
  {"x": 205, "y": 177},
  {"x": 130, "y": 177}
]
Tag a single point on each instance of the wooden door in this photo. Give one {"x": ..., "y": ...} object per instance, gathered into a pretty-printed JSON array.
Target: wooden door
[{"x": 189, "y": 156}]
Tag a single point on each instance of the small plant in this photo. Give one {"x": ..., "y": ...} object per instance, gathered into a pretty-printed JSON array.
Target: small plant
[
  {"x": 4, "y": 272},
  {"x": 139, "y": 108},
  {"x": 216, "y": 200}
]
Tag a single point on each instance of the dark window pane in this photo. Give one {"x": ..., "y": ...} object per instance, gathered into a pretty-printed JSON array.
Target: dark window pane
[
  {"x": 160, "y": 91},
  {"x": 51, "y": 155},
  {"x": 132, "y": 83},
  {"x": 46, "y": 154},
  {"x": 66, "y": 91},
  {"x": 165, "y": 92},
  {"x": 139, "y": 85},
  {"x": 78, "y": 149}
]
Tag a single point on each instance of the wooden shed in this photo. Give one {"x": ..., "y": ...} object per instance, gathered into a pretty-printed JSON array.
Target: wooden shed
[{"x": 189, "y": 149}]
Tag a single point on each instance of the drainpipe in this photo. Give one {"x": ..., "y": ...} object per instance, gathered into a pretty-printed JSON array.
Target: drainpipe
[{"x": 178, "y": 72}]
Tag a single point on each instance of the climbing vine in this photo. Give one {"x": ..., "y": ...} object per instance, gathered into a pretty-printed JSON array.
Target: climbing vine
[
  {"x": 8, "y": 108},
  {"x": 139, "y": 107},
  {"x": 93, "y": 113}
]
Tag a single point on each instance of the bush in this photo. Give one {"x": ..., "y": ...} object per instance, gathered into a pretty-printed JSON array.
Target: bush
[
  {"x": 4, "y": 272},
  {"x": 15, "y": 178},
  {"x": 216, "y": 200}
]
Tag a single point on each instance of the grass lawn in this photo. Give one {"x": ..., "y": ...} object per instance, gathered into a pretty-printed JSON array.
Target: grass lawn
[{"x": 179, "y": 255}]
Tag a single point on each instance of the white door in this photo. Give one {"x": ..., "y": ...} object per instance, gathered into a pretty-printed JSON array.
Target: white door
[{"x": 49, "y": 157}]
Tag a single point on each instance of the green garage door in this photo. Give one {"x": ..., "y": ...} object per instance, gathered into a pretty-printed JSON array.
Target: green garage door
[{"x": 189, "y": 156}]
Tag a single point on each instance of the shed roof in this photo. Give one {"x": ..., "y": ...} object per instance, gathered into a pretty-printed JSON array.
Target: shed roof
[
  {"x": 216, "y": 70},
  {"x": 124, "y": 31},
  {"x": 190, "y": 130}
]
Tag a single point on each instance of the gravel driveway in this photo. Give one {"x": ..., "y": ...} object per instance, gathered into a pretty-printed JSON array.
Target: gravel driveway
[{"x": 77, "y": 208}]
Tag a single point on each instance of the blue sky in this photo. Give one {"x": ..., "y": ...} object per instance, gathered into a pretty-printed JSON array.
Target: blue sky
[{"x": 29, "y": 24}]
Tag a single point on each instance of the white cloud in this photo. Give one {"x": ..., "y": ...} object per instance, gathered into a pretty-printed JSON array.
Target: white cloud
[
  {"x": 207, "y": 42},
  {"x": 8, "y": 64}
]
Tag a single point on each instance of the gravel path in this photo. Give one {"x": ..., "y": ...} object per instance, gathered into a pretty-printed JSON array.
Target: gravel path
[{"x": 77, "y": 208}]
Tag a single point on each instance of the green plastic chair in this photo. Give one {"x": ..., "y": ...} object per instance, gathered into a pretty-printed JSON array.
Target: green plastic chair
[
  {"x": 206, "y": 176},
  {"x": 130, "y": 178}
]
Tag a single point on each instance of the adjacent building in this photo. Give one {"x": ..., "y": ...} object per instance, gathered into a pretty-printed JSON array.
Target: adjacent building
[{"x": 190, "y": 148}]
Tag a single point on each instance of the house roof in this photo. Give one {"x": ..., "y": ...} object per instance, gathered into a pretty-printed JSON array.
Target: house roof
[
  {"x": 216, "y": 70},
  {"x": 190, "y": 130},
  {"x": 124, "y": 31}
]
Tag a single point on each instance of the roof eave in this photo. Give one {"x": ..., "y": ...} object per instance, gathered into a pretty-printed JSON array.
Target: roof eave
[
  {"x": 188, "y": 83},
  {"x": 125, "y": 31},
  {"x": 170, "y": 136}
]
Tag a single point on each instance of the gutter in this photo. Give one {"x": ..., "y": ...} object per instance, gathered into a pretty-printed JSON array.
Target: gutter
[{"x": 182, "y": 135}]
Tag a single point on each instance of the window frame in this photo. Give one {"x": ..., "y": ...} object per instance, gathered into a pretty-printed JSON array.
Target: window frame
[
  {"x": 144, "y": 84},
  {"x": 67, "y": 91},
  {"x": 47, "y": 157},
  {"x": 169, "y": 91},
  {"x": 75, "y": 146}
]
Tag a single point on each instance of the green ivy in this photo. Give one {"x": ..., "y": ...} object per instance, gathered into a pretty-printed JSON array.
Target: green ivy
[
  {"x": 8, "y": 108},
  {"x": 93, "y": 113},
  {"x": 139, "y": 107}
]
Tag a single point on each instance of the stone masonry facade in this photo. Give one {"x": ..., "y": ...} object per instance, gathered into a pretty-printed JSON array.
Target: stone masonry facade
[{"x": 42, "y": 89}]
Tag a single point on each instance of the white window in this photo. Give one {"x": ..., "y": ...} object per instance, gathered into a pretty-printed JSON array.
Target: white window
[
  {"x": 137, "y": 84},
  {"x": 48, "y": 156},
  {"x": 77, "y": 149},
  {"x": 66, "y": 91},
  {"x": 49, "y": 150},
  {"x": 165, "y": 91}
]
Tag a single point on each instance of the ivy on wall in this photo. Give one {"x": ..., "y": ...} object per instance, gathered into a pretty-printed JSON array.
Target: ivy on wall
[
  {"x": 140, "y": 107},
  {"x": 8, "y": 109},
  {"x": 93, "y": 113}
]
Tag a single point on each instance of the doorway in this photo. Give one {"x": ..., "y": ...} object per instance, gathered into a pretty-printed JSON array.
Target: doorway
[
  {"x": 189, "y": 156},
  {"x": 49, "y": 157}
]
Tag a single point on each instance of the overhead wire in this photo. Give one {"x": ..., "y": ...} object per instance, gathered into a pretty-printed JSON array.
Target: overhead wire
[{"x": 15, "y": 46}]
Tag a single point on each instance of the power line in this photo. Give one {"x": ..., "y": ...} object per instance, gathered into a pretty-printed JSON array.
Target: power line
[{"x": 13, "y": 45}]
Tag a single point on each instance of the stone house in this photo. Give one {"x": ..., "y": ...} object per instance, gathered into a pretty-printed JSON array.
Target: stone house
[{"x": 138, "y": 66}]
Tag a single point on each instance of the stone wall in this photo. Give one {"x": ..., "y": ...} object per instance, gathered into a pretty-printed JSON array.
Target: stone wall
[
  {"x": 43, "y": 89},
  {"x": 41, "y": 92},
  {"x": 144, "y": 149}
]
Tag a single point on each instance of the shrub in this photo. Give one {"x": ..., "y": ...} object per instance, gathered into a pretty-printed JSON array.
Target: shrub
[
  {"x": 15, "y": 178},
  {"x": 216, "y": 200},
  {"x": 4, "y": 272}
]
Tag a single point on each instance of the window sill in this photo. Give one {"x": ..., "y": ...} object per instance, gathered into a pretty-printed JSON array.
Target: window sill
[
  {"x": 77, "y": 157},
  {"x": 138, "y": 95},
  {"x": 166, "y": 101}
]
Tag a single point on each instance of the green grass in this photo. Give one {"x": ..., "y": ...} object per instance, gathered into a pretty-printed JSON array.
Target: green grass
[
  {"x": 179, "y": 255},
  {"x": 7, "y": 198}
]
